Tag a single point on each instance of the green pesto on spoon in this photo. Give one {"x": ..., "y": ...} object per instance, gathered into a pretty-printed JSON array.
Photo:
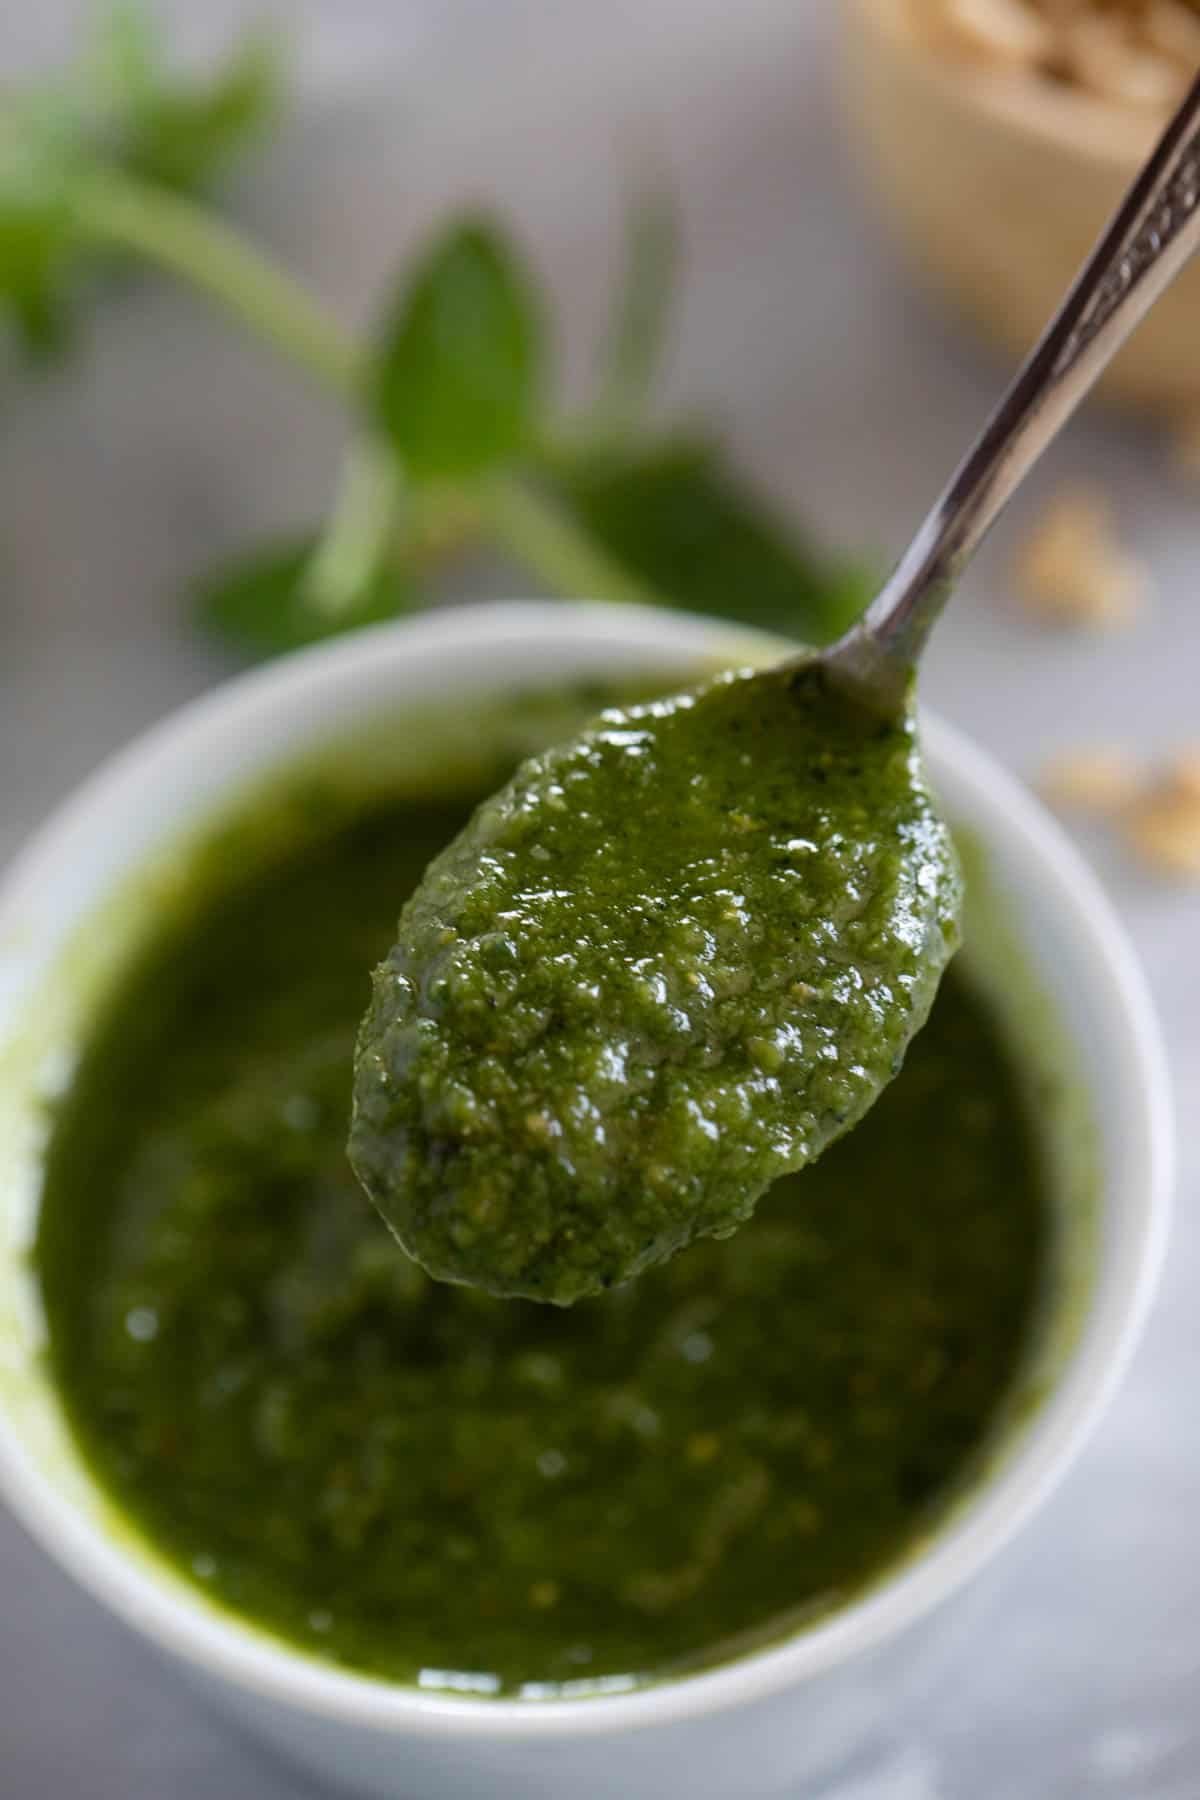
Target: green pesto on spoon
[{"x": 675, "y": 959}]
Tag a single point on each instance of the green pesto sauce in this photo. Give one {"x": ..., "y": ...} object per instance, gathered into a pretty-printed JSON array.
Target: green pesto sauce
[
  {"x": 425, "y": 1483},
  {"x": 670, "y": 962}
]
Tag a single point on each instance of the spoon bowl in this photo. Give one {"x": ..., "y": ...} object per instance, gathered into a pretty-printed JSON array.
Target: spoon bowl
[{"x": 668, "y": 963}]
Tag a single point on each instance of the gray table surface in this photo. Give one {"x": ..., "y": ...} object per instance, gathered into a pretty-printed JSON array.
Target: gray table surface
[{"x": 171, "y": 440}]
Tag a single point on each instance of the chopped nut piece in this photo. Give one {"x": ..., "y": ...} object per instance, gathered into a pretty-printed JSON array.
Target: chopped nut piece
[
  {"x": 1173, "y": 27},
  {"x": 1160, "y": 816},
  {"x": 1074, "y": 570},
  {"x": 1137, "y": 53},
  {"x": 1101, "y": 781},
  {"x": 1185, "y": 773},
  {"x": 1006, "y": 30},
  {"x": 1166, "y": 834},
  {"x": 1164, "y": 825},
  {"x": 1103, "y": 55}
]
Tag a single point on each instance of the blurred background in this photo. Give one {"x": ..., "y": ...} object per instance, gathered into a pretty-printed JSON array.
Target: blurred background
[{"x": 871, "y": 199}]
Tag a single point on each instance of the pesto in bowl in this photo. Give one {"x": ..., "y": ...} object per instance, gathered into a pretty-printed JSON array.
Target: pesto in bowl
[{"x": 429, "y": 1485}]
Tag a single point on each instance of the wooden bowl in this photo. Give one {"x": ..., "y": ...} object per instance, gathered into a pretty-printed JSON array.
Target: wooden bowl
[{"x": 996, "y": 183}]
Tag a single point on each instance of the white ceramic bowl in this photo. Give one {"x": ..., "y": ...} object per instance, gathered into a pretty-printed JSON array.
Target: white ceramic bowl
[{"x": 767, "y": 1721}]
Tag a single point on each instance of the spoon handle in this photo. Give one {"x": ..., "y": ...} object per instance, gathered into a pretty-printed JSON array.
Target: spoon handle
[{"x": 1153, "y": 235}]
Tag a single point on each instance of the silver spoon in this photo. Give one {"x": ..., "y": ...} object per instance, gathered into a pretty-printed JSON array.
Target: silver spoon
[
  {"x": 673, "y": 960},
  {"x": 1154, "y": 234}
]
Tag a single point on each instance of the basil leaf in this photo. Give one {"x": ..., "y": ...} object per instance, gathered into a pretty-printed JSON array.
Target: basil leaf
[
  {"x": 38, "y": 258},
  {"x": 678, "y": 516},
  {"x": 37, "y": 267},
  {"x": 122, "y": 109},
  {"x": 264, "y": 603},
  {"x": 125, "y": 59},
  {"x": 457, "y": 377},
  {"x": 182, "y": 135}
]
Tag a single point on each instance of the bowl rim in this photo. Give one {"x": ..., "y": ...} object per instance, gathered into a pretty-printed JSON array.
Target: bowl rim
[{"x": 242, "y": 1656}]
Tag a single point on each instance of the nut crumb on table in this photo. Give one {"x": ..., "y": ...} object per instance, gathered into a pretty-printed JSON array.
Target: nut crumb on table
[
  {"x": 1158, "y": 814},
  {"x": 1164, "y": 824},
  {"x": 1073, "y": 570},
  {"x": 1100, "y": 781},
  {"x": 1008, "y": 30}
]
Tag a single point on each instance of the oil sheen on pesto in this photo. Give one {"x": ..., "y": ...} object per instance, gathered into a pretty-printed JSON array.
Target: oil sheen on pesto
[
  {"x": 667, "y": 964},
  {"x": 430, "y": 1485}
]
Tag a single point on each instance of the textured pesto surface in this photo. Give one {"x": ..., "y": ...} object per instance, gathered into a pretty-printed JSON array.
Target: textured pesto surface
[
  {"x": 421, "y": 1481},
  {"x": 670, "y": 962}
]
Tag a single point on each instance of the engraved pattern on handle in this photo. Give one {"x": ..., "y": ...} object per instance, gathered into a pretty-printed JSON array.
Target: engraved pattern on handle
[{"x": 1173, "y": 209}]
